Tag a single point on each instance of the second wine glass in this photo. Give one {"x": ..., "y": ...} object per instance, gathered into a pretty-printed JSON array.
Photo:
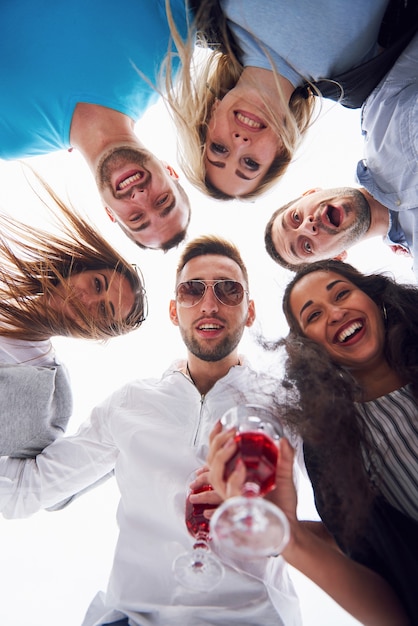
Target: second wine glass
[
  {"x": 198, "y": 569},
  {"x": 248, "y": 526}
]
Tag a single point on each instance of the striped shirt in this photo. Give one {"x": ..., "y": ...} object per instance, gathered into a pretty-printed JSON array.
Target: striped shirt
[{"x": 392, "y": 422}]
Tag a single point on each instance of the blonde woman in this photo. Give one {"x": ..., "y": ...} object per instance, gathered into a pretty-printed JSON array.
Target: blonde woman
[
  {"x": 71, "y": 283},
  {"x": 238, "y": 112}
]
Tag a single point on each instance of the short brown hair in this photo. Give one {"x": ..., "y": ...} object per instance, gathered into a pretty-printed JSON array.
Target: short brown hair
[{"x": 211, "y": 244}]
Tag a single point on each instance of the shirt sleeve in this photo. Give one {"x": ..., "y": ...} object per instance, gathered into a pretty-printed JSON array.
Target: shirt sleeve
[{"x": 67, "y": 466}]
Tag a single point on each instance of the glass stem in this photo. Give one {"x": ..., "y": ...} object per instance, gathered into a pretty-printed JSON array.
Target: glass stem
[
  {"x": 202, "y": 541},
  {"x": 251, "y": 490}
]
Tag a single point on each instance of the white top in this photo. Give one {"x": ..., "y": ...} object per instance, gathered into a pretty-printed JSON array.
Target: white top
[
  {"x": 155, "y": 433},
  {"x": 16, "y": 351}
]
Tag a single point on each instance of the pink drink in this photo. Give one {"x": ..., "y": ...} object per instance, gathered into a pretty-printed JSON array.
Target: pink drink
[
  {"x": 259, "y": 453},
  {"x": 196, "y": 522}
]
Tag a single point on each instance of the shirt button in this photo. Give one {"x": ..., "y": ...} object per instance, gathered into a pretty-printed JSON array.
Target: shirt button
[{"x": 398, "y": 202}]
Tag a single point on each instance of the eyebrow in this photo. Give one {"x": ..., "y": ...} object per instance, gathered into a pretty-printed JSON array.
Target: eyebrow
[
  {"x": 327, "y": 287},
  {"x": 163, "y": 214},
  {"x": 106, "y": 282},
  {"x": 292, "y": 248},
  {"x": 237, "y": 172}
]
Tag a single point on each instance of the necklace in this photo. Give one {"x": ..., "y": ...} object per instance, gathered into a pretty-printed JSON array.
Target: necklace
[
  {"x": 189, "y": 374},
  {"x": 191, "y": 377}
]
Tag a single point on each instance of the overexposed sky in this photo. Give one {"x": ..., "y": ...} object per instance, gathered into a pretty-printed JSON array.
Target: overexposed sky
[{"x": 54, "y": 563}]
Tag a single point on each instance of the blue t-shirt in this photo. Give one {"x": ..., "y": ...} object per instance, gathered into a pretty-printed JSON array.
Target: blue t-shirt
[
  {"x": 305, "y": 39},
  {"x": 54, "y": 54}
]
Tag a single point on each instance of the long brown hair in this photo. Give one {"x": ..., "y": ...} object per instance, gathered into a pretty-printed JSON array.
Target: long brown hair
[
  {"x": 34, "y": 262},
  {"x": 321, "y": 394}
]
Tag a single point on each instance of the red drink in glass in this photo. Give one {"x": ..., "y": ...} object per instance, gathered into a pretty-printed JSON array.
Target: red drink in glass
[
  {"x": 259, "y": 454},
  {"x": 198, "y": 569},
  {"x": 196, "y": 522}
]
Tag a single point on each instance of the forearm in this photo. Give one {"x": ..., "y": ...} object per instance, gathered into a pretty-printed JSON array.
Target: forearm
[
  {"x": 64, "y": 468},
  {"x": 357, "y": 589}
]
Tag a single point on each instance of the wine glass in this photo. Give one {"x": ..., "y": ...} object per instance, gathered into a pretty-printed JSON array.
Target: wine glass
[
  {"x": 247, "y": 526},
  {"x": 198, "y": 569}
]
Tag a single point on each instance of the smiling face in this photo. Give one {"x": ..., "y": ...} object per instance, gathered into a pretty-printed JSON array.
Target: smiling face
[
  {"x": 142, "y": 194},
  {"x": 336, "y": 314},
  {"x": 240, "y": 145},
  {"x": 211, "y": 330},
  {"x": 320, "y": 225},
  {"x": 105, "y": 294}
]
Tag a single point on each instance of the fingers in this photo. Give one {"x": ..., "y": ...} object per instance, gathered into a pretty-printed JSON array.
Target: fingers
[
  {"x": 217, "y": 440},
  {"x": 222, "y": 448},
  {"x": 236, "y": 480},
  {"x": 286, "y": 455},
  {"x": 201, "y": 478},
  {"x": 284, "y": 495},
  {"x": 215, "y": 431},
  {"x": 205, "y": 497}
]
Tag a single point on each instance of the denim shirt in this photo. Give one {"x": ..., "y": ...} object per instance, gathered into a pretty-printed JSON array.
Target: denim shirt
[{"x": 389, "y": 169}]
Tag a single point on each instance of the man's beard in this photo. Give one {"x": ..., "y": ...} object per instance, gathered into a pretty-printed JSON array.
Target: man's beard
[
  {"x": 361, "y": 209},
  {"x": 115, "y": 159},
  {"x": 215, "y": 353}
]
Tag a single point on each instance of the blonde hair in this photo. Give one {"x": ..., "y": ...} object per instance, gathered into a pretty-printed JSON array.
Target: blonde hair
[
  {"x": 34, "y": 263},
  {"x": 198, "y": 83}
]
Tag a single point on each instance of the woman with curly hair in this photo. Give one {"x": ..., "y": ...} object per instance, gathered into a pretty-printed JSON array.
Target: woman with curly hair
[
  {"x": 351, "y": 375},
  {"x": 239, "y": 112},
  {"x": 70, "y": 283}
]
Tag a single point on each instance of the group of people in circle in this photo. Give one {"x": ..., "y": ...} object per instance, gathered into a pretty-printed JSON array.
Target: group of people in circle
[{"x": 242, "y": 82}]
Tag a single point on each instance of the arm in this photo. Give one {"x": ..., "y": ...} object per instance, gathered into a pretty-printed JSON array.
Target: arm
[
  {"x": 311, "y": 550},
  {"x": 64, "y": 468}
]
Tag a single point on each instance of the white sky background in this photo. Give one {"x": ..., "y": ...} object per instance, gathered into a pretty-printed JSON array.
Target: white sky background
[{"x": 53, "y": 563}]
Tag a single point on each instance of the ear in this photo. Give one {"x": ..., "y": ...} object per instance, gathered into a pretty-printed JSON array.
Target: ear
[
  {"x": 171, "y": 170},
  {"x": 110, "y": 214},
  {"x": 172, "y": 310},
  {"x": 250, "y": 313},
  {"x": 309, "y": 191},
  {"x": 342, "y": 256}
]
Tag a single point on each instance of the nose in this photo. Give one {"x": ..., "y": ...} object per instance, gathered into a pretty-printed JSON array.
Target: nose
[
  {"x": 309, "y": 225},
  {"x": 209, "y": 301},
  {"x": 90, "y": 301},
  {"x": 138, "y": 193},
  {"x": 240, "y": 137},
  {"x": 336, "y": 314}
]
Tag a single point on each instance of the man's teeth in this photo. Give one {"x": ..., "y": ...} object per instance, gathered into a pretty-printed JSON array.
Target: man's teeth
[
  {"x": 348, "y": 332},
  {"x": 248, "y": 121},
  {"x": 209, "y": 327},
  {"x": 129, "y": 180}
]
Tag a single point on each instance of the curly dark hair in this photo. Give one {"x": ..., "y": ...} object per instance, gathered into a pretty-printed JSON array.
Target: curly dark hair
[{"x": 321, "y": 396}]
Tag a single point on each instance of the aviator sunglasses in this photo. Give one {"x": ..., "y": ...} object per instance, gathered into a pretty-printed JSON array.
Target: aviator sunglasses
[{"x": 228, "y": 292}]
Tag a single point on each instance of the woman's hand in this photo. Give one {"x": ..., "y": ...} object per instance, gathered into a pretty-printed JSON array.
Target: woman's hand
[
  {"x": 221, "y": 447},
  {"x": 284, "y": 494},
  {"x": 210, "y": 498}
]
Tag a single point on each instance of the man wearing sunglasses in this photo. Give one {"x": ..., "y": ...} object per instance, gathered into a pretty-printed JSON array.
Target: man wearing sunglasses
[{"x": 155, "y": 433}]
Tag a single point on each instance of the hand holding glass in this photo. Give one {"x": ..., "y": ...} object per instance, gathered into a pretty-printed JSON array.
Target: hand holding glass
[
  {"x": 198, "y": 570},
  {"x": 248, "y": 526}
]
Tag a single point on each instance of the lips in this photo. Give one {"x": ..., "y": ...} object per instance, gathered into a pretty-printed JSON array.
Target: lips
[
  {"x": 209, "y": 328},
  {"x": 350, "y": 333},
  {"x": 332, "y": 215},
  {"x": 249, "y": 121},
  {"x": 127, "y": 180}
]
